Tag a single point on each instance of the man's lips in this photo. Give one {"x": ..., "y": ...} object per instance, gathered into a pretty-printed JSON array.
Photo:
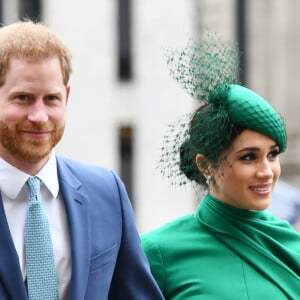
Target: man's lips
[{"x": 36, "y": 133}]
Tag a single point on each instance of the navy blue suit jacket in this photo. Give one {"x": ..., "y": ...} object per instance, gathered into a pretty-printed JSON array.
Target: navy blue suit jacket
[{"x": 107, "y": 258}]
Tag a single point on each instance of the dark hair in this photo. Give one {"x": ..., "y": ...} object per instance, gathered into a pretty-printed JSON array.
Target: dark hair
[{"x": 210, "y": 145}]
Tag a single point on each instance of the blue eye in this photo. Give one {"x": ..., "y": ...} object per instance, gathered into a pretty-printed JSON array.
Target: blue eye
[
  {"x": 51, "y": 97},
  {"x": 23, "y": 97}
]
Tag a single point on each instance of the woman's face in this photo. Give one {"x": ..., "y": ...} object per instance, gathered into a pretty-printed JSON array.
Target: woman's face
[{"x": 248, "y": 172}]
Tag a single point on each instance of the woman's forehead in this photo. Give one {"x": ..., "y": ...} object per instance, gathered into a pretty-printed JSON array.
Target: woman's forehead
[{"x": 252, "y": 139}]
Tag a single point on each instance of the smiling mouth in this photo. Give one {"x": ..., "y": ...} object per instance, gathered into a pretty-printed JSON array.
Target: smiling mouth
[
  {"x": 36, "y": 134},
  {"x": 261, "y": 189}
]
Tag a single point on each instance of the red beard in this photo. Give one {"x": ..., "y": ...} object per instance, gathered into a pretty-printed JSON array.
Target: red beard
[{"x": 30, "y": 150}]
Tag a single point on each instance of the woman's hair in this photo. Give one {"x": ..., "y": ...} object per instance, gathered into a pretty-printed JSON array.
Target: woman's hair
[
  {"x": 32, "y": 41},
  {"x": 202, "y": 141}
]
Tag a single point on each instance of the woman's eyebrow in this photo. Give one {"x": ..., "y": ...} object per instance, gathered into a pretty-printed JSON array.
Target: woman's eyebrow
[
  {"x": 255, "y": 148},
  {"x": 247, "y": 149}
]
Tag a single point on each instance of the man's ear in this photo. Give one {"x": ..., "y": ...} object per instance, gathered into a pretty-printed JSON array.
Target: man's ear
[{"x": 67, "y": 93}]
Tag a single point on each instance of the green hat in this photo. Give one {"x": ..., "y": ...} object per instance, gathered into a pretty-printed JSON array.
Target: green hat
[{"x": 249, "y": 110}]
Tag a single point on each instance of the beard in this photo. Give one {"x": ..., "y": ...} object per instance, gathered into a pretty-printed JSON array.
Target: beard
[{"x": 28, "y": 149}]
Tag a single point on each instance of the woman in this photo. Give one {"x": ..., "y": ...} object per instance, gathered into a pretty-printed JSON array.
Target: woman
[{"x": 231, "y": 248}]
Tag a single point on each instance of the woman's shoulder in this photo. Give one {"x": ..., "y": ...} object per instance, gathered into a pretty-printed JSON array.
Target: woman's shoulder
[{"x": 174, "y": 231}]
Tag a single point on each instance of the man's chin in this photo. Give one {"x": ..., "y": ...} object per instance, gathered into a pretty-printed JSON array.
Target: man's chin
[
  {"x": 30, "y": 151},
  {"x": 33, "y": 156},
  {"x": 35, "y": 159}
]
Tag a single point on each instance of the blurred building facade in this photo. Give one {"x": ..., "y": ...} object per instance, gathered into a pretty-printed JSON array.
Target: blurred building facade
[{"x": 122, "y": 97}]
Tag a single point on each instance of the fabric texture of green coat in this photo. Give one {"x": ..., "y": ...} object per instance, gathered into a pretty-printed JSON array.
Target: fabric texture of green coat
[{"x": 222, "y": 252}]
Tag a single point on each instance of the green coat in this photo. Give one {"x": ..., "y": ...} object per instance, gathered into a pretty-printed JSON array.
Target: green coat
[{"x": 222, "y": 252}]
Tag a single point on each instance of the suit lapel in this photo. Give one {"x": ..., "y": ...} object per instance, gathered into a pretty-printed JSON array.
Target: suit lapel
[
  {"x": 77, "y": 213},
  {"x": 10, "y": 272}
]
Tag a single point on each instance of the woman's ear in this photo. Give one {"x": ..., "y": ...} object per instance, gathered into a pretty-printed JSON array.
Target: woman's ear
[
  {"x": 202, "y": 163},
  {"x": 204, "y": 167}
]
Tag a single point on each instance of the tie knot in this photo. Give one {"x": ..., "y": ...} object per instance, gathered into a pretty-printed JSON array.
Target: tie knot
[{"x": 34, "y": 184}]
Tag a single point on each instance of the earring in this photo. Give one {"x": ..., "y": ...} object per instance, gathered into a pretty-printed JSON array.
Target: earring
[{"x": 208, "y": 180}]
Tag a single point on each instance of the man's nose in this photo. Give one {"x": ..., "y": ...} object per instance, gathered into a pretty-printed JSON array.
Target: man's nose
[{"x": 37, "y": 112}]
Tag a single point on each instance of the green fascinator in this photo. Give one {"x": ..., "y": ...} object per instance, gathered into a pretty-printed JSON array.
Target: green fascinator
[
  {"x": 208, "y": 71},
  {"x": 249, "y": 110}
]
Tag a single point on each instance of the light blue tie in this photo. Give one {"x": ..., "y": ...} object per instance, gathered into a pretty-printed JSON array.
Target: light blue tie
[{"x": 41, "y": 275}]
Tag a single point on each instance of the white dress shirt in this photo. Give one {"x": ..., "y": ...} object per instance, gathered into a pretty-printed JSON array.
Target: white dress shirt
[{"x": 14, "y": 192}]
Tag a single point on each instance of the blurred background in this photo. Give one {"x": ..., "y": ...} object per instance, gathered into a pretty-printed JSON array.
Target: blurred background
[{"x": 122, "y": 97}]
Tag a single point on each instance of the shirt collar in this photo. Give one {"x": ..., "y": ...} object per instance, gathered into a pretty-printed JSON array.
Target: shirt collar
[{"x": 12, "y": 179}]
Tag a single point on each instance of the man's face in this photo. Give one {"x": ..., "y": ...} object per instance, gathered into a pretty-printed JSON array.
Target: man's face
[{"x": 33, "y": 100}]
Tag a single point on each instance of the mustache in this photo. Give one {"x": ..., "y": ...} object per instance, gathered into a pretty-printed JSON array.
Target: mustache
[{"x": 35, "y": 127}]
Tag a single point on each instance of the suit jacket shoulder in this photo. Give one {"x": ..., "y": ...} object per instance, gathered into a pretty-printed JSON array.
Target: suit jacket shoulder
[{"x": 108, "y": 261}]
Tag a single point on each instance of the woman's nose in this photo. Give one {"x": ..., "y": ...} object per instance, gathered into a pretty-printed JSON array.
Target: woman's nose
[{"x": 264, "y": 170}]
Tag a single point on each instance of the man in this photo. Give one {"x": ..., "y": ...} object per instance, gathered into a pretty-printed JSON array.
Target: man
[{"x": 95, "y": 247}]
